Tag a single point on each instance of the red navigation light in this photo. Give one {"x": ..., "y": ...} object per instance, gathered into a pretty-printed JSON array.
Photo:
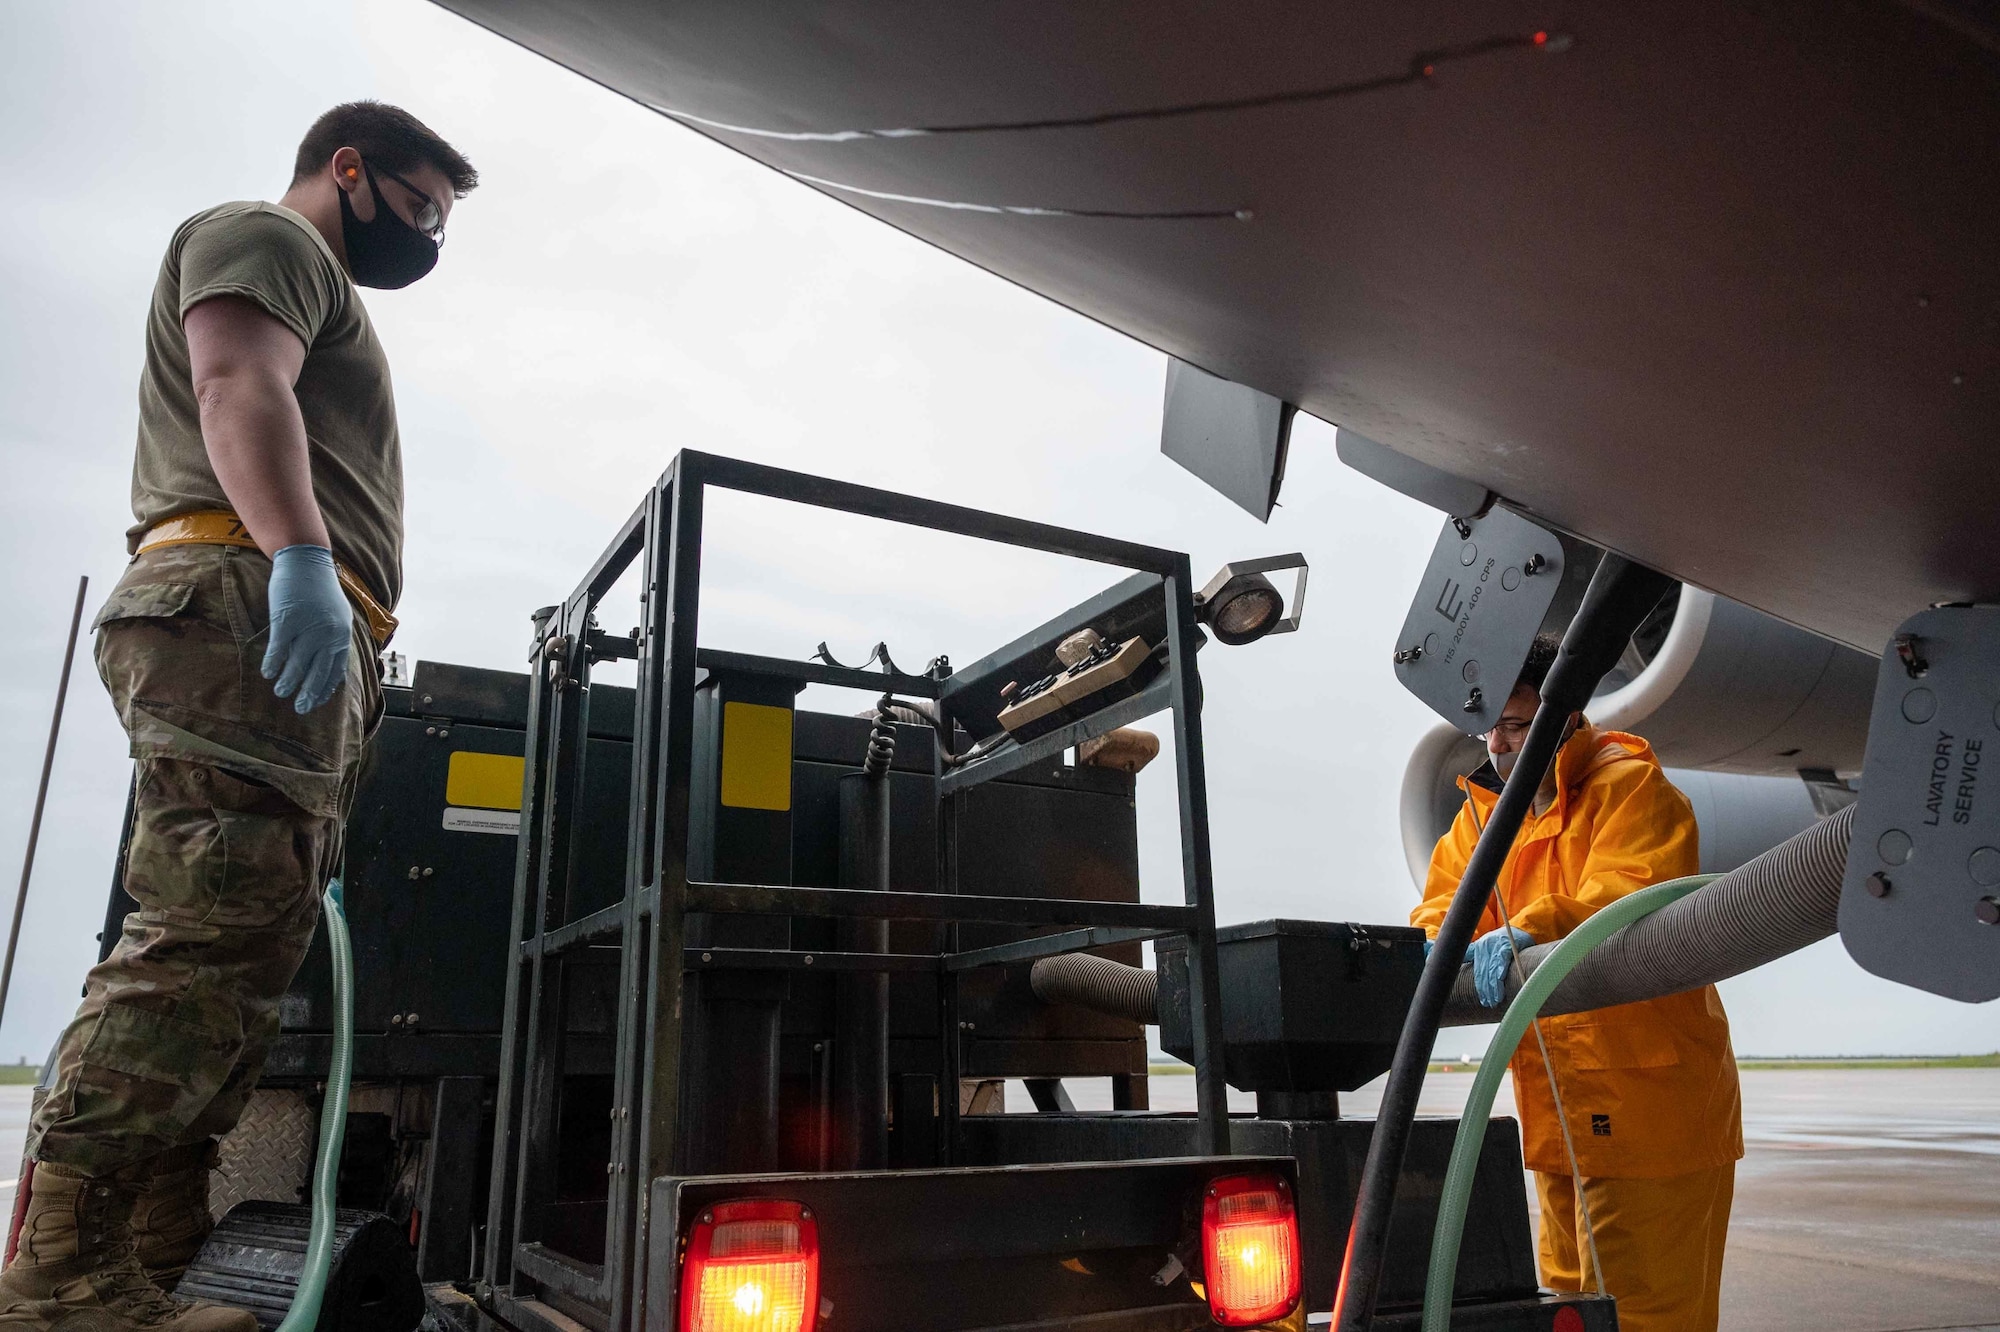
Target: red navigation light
[
  {"x": 752, "y": 1266},
  {"x": 1541, "y": 39},
  {"x": 1250, "y": 1249}
]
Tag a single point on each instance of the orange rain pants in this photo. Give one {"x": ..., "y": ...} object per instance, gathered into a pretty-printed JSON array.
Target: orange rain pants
[{"x": 1660, "y": 1241}]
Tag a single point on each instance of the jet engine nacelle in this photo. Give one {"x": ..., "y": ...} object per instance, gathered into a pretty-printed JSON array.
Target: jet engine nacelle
[{"x": 1756, "y": 721}]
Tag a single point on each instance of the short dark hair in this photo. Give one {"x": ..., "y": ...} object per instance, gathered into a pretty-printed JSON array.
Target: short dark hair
[
  {"x": 385, "y": 136},
  {"x": 1541, "y": 656}
]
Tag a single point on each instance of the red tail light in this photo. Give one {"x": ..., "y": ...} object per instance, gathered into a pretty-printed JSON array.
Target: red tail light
[
  {"x": 751, "y": 1266},
  {"x": 1250, "y": 1249}
]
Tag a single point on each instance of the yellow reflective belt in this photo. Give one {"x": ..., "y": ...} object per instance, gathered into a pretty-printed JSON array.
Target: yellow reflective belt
[{"x": 219, "y": 527}]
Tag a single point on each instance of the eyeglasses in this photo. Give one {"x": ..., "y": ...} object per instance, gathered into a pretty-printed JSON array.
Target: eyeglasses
[
  {"x": 1509, "y": 729},
  {"x": 429, "y": 217}
]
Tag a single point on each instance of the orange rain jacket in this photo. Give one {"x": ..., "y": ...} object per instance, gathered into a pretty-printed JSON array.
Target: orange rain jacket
[{"x": 1650, "y": 1088}]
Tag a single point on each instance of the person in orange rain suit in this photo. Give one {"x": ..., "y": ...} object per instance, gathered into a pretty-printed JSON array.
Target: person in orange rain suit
[{"x": 1650, "y": 1088}]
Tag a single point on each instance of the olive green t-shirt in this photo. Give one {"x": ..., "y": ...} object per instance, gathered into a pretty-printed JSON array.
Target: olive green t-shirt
[{"x": 271, "y": 256}]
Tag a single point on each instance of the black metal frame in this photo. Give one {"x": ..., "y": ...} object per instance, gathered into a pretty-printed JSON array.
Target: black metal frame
[{"x": 663, "y": 537}]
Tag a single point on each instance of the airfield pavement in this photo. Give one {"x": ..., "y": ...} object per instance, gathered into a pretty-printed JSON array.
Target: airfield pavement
[{"x": 1869, "y": 1201}]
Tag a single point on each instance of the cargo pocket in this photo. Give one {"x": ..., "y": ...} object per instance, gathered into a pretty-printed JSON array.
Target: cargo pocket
[
  {"x": 275, "y": 855},
  {"x": 151, "y": 1071},
  {"x": 129, "y": 630},
  {"x": 1612, "y": 1045},
  {"x": 177, "y": 856},
  {"x": 144, "y": 601},
  {"x": 212, "y": 848}
]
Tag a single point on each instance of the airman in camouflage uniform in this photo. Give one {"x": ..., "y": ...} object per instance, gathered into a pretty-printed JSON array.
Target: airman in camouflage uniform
[
  {"x": 240, "y": 651},
  {"x": 238, "y": 813}
]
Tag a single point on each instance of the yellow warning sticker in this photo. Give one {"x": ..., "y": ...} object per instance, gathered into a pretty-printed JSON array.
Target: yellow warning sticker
[
  {"x": 483, "y": 781},
  {"x": 756, "y": 756}
]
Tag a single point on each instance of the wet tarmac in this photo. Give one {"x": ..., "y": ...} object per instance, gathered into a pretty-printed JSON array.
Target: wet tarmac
[{"x": 1869, "y": 1200}]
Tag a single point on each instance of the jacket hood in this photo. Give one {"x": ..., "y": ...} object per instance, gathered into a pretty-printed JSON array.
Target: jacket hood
[{"x": 1587, "y": 752}]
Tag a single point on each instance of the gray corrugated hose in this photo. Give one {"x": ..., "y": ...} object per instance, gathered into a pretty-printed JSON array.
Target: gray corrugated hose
[
  {"x": 1777, "y": 904},
  {"x": 1780, "y": 902},
  {"x": 1097, "y": 983}
]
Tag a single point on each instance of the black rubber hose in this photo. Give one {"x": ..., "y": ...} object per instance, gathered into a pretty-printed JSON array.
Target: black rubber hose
[
  {"x": 1780, "y": 902},
  {"x": 1621, "y": 594},
  {"x": 1099, "y": 984},
  {"x": 861, "y": 998}
]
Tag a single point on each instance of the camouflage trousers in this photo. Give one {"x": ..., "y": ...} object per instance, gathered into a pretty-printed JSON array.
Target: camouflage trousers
[{"x": 238, "y": 809}]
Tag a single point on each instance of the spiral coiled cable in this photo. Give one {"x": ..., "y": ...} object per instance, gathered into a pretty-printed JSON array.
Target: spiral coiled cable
[{"x": 881, "y": 740}]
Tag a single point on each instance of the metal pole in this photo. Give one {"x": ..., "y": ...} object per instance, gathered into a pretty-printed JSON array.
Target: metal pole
[
  {"x": 1211, "y": 1088},
  {"x": 41, "y": 794}
]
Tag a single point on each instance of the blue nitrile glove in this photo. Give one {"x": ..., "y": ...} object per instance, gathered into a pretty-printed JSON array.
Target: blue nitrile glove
[
  {"x": 312, "y": 626},
  {"x": 1490, "y": 958}
]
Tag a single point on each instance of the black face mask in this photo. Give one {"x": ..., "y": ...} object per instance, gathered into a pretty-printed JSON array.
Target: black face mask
[{"x": 388, "y": 253}]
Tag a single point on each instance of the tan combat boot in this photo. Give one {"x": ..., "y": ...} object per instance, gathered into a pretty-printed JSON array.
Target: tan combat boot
[
  {"x": 76, "y": 1269},
  {"x": 170, "y": 1217}
]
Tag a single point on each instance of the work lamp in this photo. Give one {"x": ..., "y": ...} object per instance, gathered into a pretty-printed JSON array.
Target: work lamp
[{"x": 1240, "y": 605}]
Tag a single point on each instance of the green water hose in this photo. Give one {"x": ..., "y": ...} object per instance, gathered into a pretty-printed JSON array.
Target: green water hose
[
  {"x": 311, "y": 1293},
  {"x": 1472, "y": 1126}
]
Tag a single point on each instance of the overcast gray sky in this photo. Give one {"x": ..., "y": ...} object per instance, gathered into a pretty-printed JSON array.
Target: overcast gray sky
[{"x": 620, "y": 288}]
